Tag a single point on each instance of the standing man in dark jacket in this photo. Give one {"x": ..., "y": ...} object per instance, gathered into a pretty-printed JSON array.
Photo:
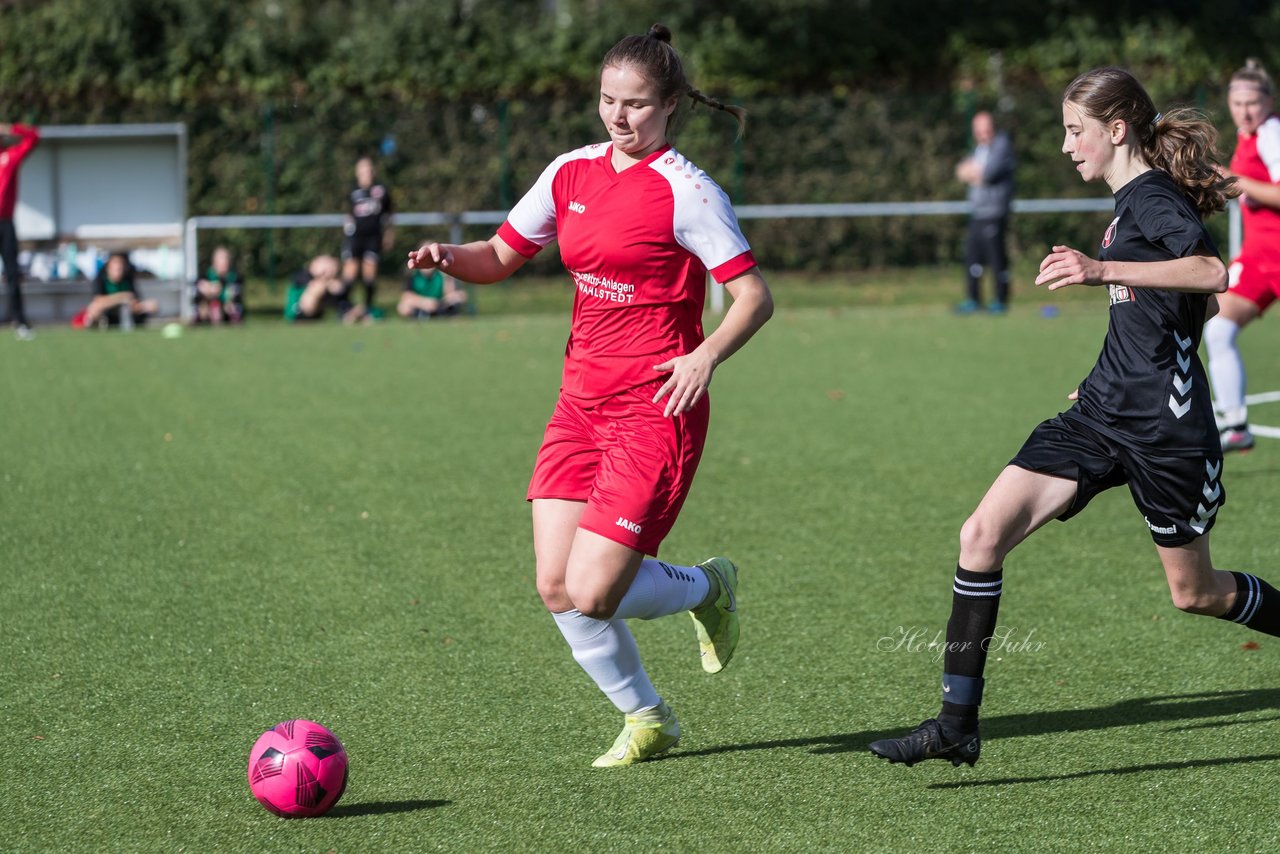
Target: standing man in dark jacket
[
  {"x": 988, "y": 171},
  {"x": 11, "y": 157}
]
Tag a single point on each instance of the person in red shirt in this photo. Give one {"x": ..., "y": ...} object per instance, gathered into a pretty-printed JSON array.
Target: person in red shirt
[
  {"x": 1255, "y": 272},
  {"x": 639, "y": 228},
  {"x": 11, "y": 158}
]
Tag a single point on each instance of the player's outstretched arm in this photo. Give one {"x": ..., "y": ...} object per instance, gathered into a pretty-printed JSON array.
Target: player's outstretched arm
[
  {"x": 691, "y": 373},
  {"x": 481, "y": 263},
  {"x": 1255, "y": 192},
  {"x": 1194, "y": 274}
]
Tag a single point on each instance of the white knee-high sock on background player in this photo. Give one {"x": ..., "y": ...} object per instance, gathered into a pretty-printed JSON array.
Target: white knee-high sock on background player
[
  {"x": 608, "y": 652},
  {"x": 1226, "y": 370},
  {"x": 662, "y": 588}
]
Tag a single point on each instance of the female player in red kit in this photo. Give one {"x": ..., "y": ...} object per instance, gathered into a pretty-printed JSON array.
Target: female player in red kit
[
  {"x": 1255, "y": 272},
  {"x": 639, "y": 228}
]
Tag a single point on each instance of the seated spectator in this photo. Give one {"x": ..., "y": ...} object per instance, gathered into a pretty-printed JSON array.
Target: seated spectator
[
  {"x": 430, "y": 294},
  {"x": 317, "y": 287},
  {"x": 219, "y": 294},
  {"x": 114, "y": 289}
]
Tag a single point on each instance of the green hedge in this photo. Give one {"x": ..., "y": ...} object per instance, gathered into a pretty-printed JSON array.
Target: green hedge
[{"x": 848, "y": 102}]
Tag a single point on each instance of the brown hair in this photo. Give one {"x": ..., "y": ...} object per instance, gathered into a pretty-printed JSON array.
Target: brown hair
[
  {"x": 1181, "y": 141},
  {"x": 1253, "y": 74},
  {"x": 653, "y": 56}
]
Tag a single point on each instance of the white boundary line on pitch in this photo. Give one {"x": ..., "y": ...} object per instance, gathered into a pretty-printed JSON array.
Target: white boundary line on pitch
[
  {"x": 1264, "y": 397},
  {"x": 1262, "y": 429}
]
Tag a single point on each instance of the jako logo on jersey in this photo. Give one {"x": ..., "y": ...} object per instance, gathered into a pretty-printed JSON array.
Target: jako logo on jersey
[
  {"x": 1111, "y": 233},
  {"x": 1119, "y": 294},
  {"x": 628, "y": 524},
  {"x": 577, "y": 207}
]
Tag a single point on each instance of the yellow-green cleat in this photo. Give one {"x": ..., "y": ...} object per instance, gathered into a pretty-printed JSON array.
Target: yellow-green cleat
[
  {"x": 717, "y": 623},
  {"x": 645, "y": 735}
]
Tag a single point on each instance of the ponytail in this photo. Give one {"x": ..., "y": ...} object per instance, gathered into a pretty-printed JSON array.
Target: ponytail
[
  {"x": 738, "y": 113},
  {"x": 653, "y": 57},
  {"x": 1181, "y": 142}
]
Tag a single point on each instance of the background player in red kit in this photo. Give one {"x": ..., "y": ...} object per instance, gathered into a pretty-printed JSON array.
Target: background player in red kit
[
  {"x": 1255, "y": 274},
  {"x": 11, "y": 158},
  {"x": 639, "y": 227},
  {"x": 1143, "y": 417}
]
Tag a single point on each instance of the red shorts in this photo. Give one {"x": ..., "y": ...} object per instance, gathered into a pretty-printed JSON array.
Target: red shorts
[
  {"x": 630, "y": 464},
  {"x": 1258, "y": 283}
]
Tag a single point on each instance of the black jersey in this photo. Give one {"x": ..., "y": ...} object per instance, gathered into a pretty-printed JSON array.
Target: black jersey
[
  {"x": 1148, "y": 388},
  {"x": 370, "y": 208}
]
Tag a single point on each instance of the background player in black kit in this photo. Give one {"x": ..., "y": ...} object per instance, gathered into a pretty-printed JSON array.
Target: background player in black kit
[
  {"x": 368, "y": 231},
  {"x": 1143, "y": 417}
]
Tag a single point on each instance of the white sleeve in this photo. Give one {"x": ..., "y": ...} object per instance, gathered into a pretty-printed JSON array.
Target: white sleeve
[
  {"x": 534, "y": 216},
  {"x": 705, "y": 223},
  {"x": 1269, "y": 147}
]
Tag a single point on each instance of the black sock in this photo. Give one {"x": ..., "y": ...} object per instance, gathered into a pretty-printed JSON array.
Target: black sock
[
  {"x": 974, "y": 606},
  {"x": 368, "y": 293},
  {"x": 1257, "y": 605}
]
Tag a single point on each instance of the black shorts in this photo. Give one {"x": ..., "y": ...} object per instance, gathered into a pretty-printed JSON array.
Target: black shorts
[
  {"x": 1178, "y": 497},
  {"x": 366, "y": 247}
]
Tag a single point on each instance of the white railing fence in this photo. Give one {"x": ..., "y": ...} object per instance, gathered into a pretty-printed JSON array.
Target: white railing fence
[{"x": 457, "y": 221}]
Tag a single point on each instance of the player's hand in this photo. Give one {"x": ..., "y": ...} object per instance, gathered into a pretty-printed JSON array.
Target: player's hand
[
  {"x": 1075, "y": 395},
  {"x": 431, "y": 256},
  {"x": 1066, "y": 266},
  {"x": 689, "y": 380}
]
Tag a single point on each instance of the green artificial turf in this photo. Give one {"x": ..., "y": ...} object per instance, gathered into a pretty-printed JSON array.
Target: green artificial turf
[{"x": 203, "y": 536}]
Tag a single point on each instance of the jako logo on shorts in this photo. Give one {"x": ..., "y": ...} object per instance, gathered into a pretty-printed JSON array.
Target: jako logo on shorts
[{"x": 628, "y": 524}]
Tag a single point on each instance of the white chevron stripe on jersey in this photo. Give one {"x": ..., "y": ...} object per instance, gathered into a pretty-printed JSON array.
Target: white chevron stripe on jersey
[
  {"x": 1211, "y": 471},
  {"x": 1181, "y": 382},
  {"x": 1214, "y": 493}
]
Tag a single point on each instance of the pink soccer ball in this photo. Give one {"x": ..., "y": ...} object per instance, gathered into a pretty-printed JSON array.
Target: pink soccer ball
[{"x": 297, "y": 769}]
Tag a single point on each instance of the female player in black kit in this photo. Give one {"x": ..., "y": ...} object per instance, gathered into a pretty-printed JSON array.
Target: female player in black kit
[{"x": 1143, "y": 417}]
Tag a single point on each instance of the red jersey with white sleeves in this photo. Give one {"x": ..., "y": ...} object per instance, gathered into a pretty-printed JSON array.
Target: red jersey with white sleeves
[
  {"x": 10, "y": 159},
  {"x": 1258, "y": 157},
  {"x": 638, "y": 244}
]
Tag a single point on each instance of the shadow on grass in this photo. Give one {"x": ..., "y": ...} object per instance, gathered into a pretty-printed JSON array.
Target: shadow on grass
[
  {"x": 1141, "y": 710},
  {"x": 382, "y": 808},
  {"x": 1113, "y": 772}
]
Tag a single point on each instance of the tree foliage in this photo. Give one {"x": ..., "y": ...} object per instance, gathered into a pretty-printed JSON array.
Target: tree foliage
[{"x": 849, "y": 99}]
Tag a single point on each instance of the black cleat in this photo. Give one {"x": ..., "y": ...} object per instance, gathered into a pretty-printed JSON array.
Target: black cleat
[{"x": 929, "y": 741}]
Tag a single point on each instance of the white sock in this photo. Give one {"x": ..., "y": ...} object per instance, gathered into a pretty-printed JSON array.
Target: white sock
[
  {"x": 661, "y": 589},
  {"x": 1226, "y": 370},
  {"x": 608, "y": 652}
]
